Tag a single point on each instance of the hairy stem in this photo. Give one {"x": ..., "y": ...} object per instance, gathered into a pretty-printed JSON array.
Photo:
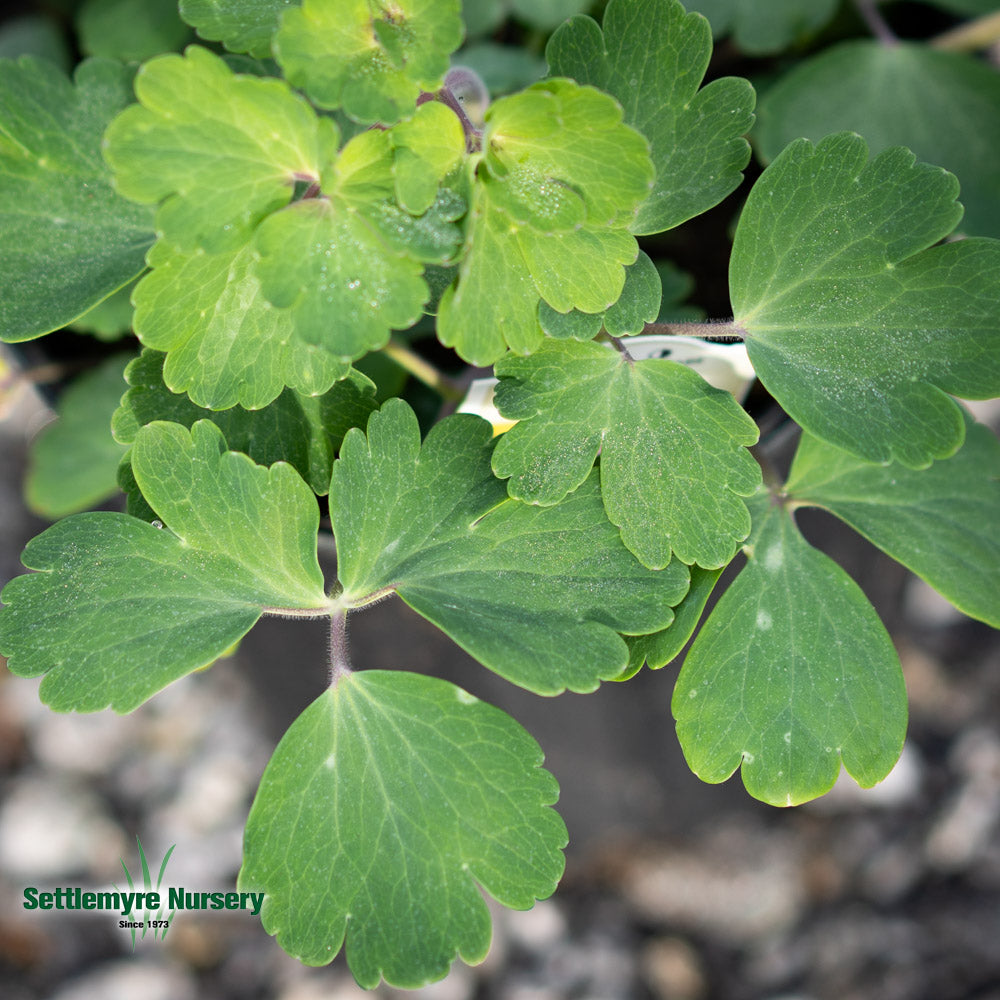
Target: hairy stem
[
  {"x": 423, "y": 370},
  {"x": 725, "y": 330},
  {"x": 974, "y": 35},
  {"x": 872, "y": 16},
  {"x": 622, "y": 350},
  {"x": 340, "y": 665},
  {"x": 297, "y": 612}
]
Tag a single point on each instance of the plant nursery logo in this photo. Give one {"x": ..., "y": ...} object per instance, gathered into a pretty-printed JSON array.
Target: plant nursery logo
[{"x": 146, "y": 909}]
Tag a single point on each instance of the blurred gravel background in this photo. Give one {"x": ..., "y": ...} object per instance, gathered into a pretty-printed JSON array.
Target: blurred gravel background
[{"x": 674, "y": 889}]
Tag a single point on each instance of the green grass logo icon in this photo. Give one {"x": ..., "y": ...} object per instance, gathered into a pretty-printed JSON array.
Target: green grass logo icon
[{"x": 157, "y": 923}]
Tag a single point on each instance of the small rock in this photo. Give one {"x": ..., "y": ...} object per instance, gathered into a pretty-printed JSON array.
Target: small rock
[
  {"x": 127, "y": 979},
  {"x": 673, "y": 969}
]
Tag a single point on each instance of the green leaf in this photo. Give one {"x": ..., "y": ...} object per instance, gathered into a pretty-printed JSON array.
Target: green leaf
[
  {"x": 792, "y": 674},
  {"x": 326, "y": 268},
  {"x": 370, "y": 57},
  {"x": 639, "y": 302},
  {"x": 110, "y": 319},
  {"x": 121, "y": 608},
  {"x": 560, "y": 180},
  {"x": 426, "y": 147},
  {"x": 547, "y": 14},
  {"x": 536, "y": 594},
  {"x": 852, "y": 324},
  {"x": 944, "y": 106},
  {"x": 643, "y": 418},
  {"x": 304, "y": 431},
  {"x": 940, "y": 522},
  {"x": 502, "y": 68},
  {"x": 68, "y": 239},
  {"x": 661, "y": 648},
  {"x": 764, "y": 26},
  {"x": 241, "y": 25},
  {"x": 74, "y": 461},
  {"x": 399, "y": 787},
  {"x": 35, "y": 35},
  {"x": 223, "y": 149},
  {"x": 225, "y": 343},
  {"x": 652, "y": 57},
  {"x": 130, "y": 30}
]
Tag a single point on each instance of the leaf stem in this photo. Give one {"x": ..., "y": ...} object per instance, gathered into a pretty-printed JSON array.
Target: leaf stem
[
  {"x": 978, "y": 34},
  {"x": 725, "y": 330},
  {"x": 340, "y": 665},
  {"x": 423, "y": 370},
  {"x": 872, "y": 16},
  {"x": 298, "y": 612},
  {"x": 622, "y": 350}
]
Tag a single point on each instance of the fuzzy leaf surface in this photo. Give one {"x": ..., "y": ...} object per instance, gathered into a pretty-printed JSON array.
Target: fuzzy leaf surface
[
  {"x": 120, "y": 608},
  {"x": 536, "y": 594},
  {"x": 939, "y": 522},
  {"x": 225, "y": 342},
  {"x": 674, "y": 464},
  {"x": 241, "y": 25},
  {"x": 304, "y": 431},
  {"x": 791, "y": 675},
  {"x": 69, "y": 239},
  {"x": 385, "y": 807},
  {"x": 945, "y": 106},
  {"x": 370, "y": 57},
  {"x": 652, "y": 57},
  {"x": 74, "y": 461},
  {"x": 854, "y": 322},
  {"x": 223, "y": 149}
]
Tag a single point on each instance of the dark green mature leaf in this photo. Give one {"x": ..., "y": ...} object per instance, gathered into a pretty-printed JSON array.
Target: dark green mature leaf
[
  {"x": 241, "y": 25},
  {"x": 74, "y": 461},
  {"x": 560, "y": 181},
  {"x": 661, "y": 648},
  {"x": 536, "y": 594},
  {"x": 851, "y": 323},
  {"x": 223, "y": 149},
  {"x": 111, "y": 318},
  {"x": 763, "y": 26},
  {"x": 673, "y": 458},
  {"x": 945, "y": 106},
  {"x": 304, "y": 431},
  {"x": 68, "y": 240},
  {"x": 792, "y": 674},
  {"x": 130, "y": 30},
  {"x": 121, "y": 608},
  {"x": 639, "y": 302},
  {"x": 652, "y": 57},
  {"x": 370, "y": 57},
  {"x": 225, "y": 342},
  {"x": 940, "y": 522},
  {"x": 386, "y": 805}
]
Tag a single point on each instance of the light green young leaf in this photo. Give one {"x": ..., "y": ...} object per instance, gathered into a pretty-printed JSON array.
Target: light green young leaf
[
  {"x": 851, "y": 322},
  {"x": 326, "y": 268},
  {"x": 661, "y": 648},
  {"x": 945, "y": 106},
  {"x": 426, "y": 148},
  {"x": 370, "y": 57},
  {"x": 241, "y": 25},
  {"x": 74, "y": 461},
  {"x": 764, "y": 26},
  {"x": 225, "y": 342},
  {"x": 673, "y": 461},
  {"x": 121, "y": 608},
  {"x": 68, "y": 239},
  {"x": 536, "y": 594},
  {"x": 130, "y": 30},
  {"x": 304, "y": 431},
  {"x": 652, "y": 57},
  {"x": 223, "y": 149},
  {"x": 792, "y": 674},
  {"x": 394, "y": 782},
  {"x": 939, "y": 522}
]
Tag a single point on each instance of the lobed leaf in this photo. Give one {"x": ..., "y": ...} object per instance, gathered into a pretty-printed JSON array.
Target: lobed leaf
[
  {"x": 536, "y": 594},
  {"x": 385, "y": 807},
  {"x": 69, "y": 240},
  {"x": 851, "y": 322},
  {"x": 241, "y": 25},
  {"x": 120, "y": 608},
  {"x": 652, "y": 57},
  {"x": 130, "y": 30},
  {"x": 939, "y": 522},
  {"x": 673, "y": 458},
  {"x": 370, "y": 57},
  {"x": 792, "y": 674}
]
